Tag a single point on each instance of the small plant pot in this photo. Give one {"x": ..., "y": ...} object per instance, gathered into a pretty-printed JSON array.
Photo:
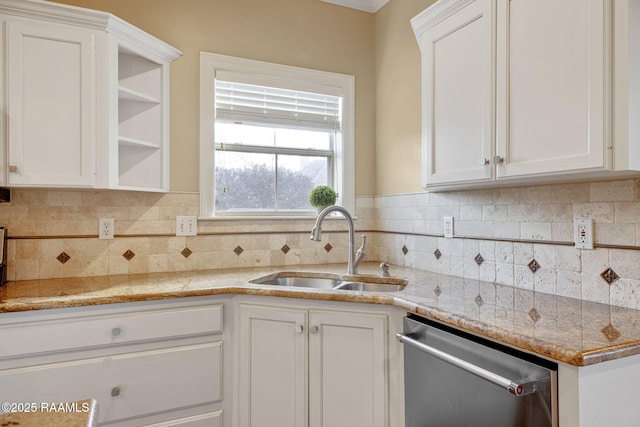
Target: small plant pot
[{"x": 321, "y": 208}]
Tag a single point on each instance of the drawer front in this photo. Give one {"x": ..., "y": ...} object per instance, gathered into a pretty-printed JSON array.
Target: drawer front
[
  {"x": 41, "y": 334},
  {"x": 126, "y": 385}
]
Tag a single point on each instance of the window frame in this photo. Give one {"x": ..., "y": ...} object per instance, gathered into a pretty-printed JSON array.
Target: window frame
[{"x": 343, "y": 173}]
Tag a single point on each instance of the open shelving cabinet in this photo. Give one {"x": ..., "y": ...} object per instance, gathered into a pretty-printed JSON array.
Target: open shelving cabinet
[
  {"x": 107, "y": 82},
  {"x": 141, "y": 155}
]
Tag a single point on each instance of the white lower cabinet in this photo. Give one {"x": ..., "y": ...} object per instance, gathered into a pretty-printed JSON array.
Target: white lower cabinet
[
  {"x": 232, "y": 361},
  {"x": 312, "y": 367},
  {"x": 156, "y": 364}
]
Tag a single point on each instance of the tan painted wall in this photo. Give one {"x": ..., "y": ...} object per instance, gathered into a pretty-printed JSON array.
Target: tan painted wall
[
  {"x": 398, "y": 98},
  {"x": 303, "y": 33}
]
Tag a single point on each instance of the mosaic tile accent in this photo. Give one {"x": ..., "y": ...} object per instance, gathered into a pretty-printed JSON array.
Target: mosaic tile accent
[
  {"x": 437, "y": 291},
  {"x": 611, "y": 332},
  {"x": 609, "y": 276},
  {"x": 534, "y": 266},
  {"x": 405, "y": 249},
  {"x": 128, "y": 255},
  {"x": 479, "y": 260},
  {"x": 238, "y": 250},
  {"x": 437, "y": 254},
  {"x": 479, "y": 300},
  {"x": 186, "y": 252},
  {"x": 534, "y": 315},
  {"x": 63, "y": 257},
  {"x": 285, "y": 249},
  {"x": 328, "y": 247}
]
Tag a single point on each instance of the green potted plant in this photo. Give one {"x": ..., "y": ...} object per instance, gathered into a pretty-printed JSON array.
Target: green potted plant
[{"x": 322, "y": 196}]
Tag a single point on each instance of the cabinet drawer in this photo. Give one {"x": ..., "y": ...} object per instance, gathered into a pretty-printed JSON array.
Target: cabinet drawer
[
  {"x": 72, "y": 330},
  {"x": 126, "y": 385}
]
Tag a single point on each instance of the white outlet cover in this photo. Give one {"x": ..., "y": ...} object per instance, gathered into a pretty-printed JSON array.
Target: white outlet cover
[
  {"x": 583, "y": 233},
  {"x": 106, "y": 228},
  {"x": 448, "y": 227}
]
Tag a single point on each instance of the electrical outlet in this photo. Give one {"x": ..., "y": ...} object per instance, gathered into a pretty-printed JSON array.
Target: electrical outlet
[
  {"x": 106, "y": 228},
  {"x": 583, "y": 233},
  {"x": 186, "y": 226},
  {"x": 448, "y": 227}
]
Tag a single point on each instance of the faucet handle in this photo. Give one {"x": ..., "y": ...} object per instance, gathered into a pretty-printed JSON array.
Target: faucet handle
[
  {"x": 361, "y": 252},
  {"x": 385, "y": 270},
  {"x": 364, "y": 241}
]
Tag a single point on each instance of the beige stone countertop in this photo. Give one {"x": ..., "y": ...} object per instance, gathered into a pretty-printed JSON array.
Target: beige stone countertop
[
  {"x": 82, "y": 413},
  {"x": 564, "y": 329}
]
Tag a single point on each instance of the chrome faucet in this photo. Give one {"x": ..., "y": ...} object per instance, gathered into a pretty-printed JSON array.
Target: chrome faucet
[{"x": 355, "y": 257}]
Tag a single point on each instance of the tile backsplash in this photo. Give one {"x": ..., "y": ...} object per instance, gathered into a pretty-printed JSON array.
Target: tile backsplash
[
  {"x": 53, "y": 233},
  {"x": 515, "y": 236},
  {"x": 523, "y": 237}
]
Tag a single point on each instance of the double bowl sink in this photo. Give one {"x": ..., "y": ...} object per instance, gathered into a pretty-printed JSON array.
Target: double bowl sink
[{"x": 332, "y": 282}]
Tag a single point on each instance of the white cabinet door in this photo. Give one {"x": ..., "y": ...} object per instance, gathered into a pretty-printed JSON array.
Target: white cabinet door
[
  {"x": 457, "y": 95},
  {"x": 551, "y": 82},
  {"x": 332, "y": 373},
  {"x": 347, "y": 369},
  {"x": 272, "y": 388},
  {"x": 50, "y": 104}
]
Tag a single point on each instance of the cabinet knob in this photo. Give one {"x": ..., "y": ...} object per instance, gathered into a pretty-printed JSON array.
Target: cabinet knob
[
  {"x": 13, "y": 169},
  {"x": 299, "y": 329},
  {"x": 484, "y": 162},
  {"x": 498, "y": 160},
  {"x": 314, "y": 329},
  {"x": 116, "y": 332},
  {"x": 115, "y": 392}
]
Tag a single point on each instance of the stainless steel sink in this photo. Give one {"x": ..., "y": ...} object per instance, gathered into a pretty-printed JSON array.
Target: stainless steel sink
[
  {"x": 369, "y": 287},
  {"x": 303, "y": 282},
  {"x": 333, "y": 281}
]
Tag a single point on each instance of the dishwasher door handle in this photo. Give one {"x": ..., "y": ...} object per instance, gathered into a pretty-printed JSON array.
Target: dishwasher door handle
[{"x": 517, "y": 388}]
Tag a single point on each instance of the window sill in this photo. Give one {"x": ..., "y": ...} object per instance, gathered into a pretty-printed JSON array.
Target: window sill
[{"x": 268, "y": 218}]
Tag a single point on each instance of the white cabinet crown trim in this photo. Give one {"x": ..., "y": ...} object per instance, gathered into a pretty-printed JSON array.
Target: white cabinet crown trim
[
  {"x": 436, "y": 14},
  {"x": 98, "y": 20}
]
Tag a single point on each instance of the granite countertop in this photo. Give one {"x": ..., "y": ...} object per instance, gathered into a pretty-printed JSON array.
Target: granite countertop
[
  {"x": 82, "y": 413},
  {"x": 564, "y": 329}
]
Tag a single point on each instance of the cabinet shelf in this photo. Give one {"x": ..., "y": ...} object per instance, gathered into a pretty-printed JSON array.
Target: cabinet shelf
[
  {"x": 127, "y": 94},
  {"x": 132, "y": 142},
  {"x": 143, "y": 143}
]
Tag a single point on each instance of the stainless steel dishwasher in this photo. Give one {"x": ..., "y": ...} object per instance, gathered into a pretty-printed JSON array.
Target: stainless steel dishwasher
[{"x": 454, "y": 379}]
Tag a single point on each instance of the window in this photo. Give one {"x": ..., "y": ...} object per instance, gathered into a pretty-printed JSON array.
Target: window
[{"x": 269, "y": 134}]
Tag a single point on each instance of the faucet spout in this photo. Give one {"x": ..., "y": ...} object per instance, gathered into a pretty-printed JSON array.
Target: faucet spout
[{"x": 354, "y": 258}]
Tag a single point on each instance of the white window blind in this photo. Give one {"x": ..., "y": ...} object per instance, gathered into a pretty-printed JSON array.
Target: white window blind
[{"x": 256, "y": 104}]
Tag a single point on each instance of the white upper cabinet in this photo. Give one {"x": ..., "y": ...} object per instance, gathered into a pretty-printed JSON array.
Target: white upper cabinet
[
  {"x": 522, "y": 91},
  {"x": 551, "y": 75},
  {"x": 51, "y": 97},
  {"x": 457, "y": 98},
  {"x": 86, "y": 100}
]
